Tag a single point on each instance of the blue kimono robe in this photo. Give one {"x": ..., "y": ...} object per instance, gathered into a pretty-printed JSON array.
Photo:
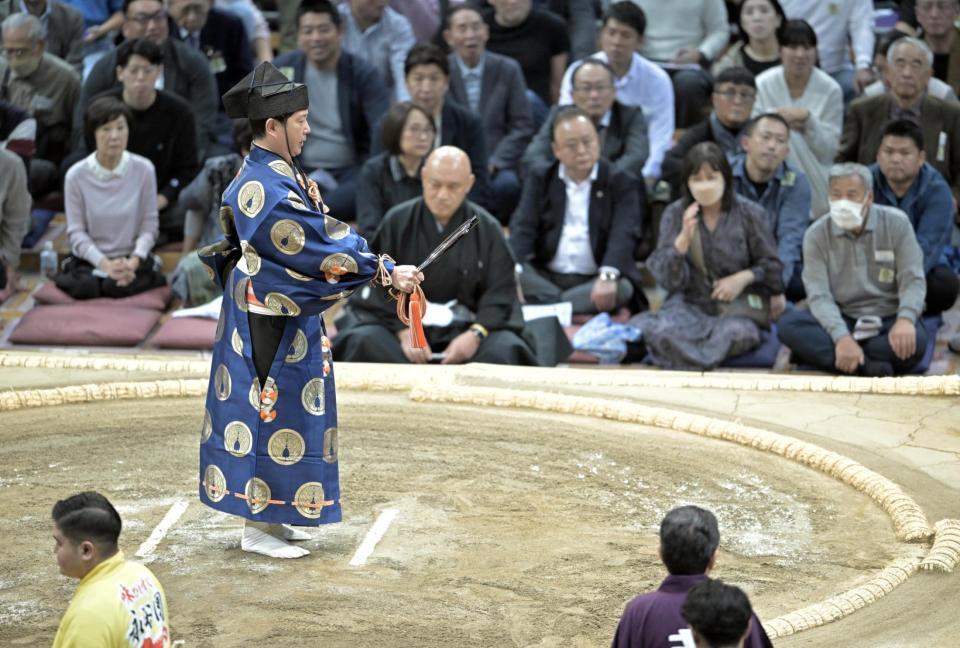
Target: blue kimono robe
[{"x": 269, "y": 452}]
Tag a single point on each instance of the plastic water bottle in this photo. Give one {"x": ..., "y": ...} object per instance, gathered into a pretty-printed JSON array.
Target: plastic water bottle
[{"x": 48, "y": 260}]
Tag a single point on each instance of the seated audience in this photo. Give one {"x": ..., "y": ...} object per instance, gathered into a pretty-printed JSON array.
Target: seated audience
[
  {"x": 491, "y": 86},
  {"x": 938, "y": 28},
  {"x": 935, "y": 87},
  {"x": 111, "y": 203},
  {"x": 117, "y": 602},
  {"x": 811, "y": 102},
  {"x": 719, "y": 615},
  {"x": 909, "y": 69},
  {"x": 14, "y": 219},
  {"x": 428, "y": 79},
  {"x": 218, "y": 35},
  {"x": 717, "y": 260},
  {"x": 623, "y": 130},
  {"x": 347, "y": 99},
  {"x": 255, "y": 25},
  {"x": 638, "y": 82},
  {"x": 734, "y": 92},
  {"x": 200, "y": 200},
  {"x": 186, "y": 71},
  {"x": 577, "y": 224},
  {"x": 475, "y": 283},
  {"x": 689, "y": 537},
  {"x": 685, "y": 36},
  {"x": 382, "y": 37},
  {"x": 840, "y": 25},
  {"x": 763, "y": 175},
  {"x": 63, "y": 27},
  {"x": 863, "y": 273},
  {"x": 46, "y": 88},
  {"x": 393, "y": 177},
  {"x": 903, "y": 179},
  {"x": 758, "y": 49},
  {"x": 172, "y": 151},
  {"x": 538, "y": 40}
]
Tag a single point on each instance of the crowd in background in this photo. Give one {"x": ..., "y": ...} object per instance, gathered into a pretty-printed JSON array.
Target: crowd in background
[{"x": 780, "y": 168}]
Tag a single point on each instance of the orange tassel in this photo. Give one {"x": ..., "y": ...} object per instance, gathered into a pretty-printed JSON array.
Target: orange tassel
[{"x": 418, "y": 307}]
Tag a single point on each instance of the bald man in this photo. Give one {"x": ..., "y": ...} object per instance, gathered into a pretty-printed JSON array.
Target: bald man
[{"x": 474, "y": 314}]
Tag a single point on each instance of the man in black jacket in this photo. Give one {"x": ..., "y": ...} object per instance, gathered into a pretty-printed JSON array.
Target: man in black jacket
[
  {"x": 622, "y": 129},
  {"x": 427, "y": 71},
  {"x": 186, "y": 72},
  {"x": 734, "y": 92},
  {"x": 576, "y": 227}
]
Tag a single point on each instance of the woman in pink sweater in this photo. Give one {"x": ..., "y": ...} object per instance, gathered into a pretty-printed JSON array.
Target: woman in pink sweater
[{"x": 111, "y": 204}]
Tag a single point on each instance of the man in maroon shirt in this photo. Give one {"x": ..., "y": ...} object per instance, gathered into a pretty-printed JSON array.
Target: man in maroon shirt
[{"x": 689, "y": 538}]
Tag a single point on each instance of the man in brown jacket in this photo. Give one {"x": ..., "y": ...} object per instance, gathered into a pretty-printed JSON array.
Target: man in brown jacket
[{"x": 909, "y": 68}]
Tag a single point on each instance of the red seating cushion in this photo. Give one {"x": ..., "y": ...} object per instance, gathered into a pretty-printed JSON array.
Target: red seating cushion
[
  {"x": 185, "y": 333},
  {"x": 85, "y": 324},
  {"x": 154, "y": 299}
]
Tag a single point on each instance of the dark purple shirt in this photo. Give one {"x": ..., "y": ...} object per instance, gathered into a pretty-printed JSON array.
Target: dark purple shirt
[{"x": 653, "y": 620}]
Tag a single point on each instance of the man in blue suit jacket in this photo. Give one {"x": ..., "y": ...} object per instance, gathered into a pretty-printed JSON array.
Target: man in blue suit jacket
[
  {"x": 218, "y": 35},
  {"x": 491, "y": 86},
  {"x": 347, "y": 98}
]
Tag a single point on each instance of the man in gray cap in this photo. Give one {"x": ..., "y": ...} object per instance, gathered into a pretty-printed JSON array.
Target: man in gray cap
[{"x": 268, "y": 446}]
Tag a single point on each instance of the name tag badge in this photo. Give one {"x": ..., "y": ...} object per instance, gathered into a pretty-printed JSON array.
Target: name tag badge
[
  {"x": 887, "y": 275},
  {"x": 755, "y": 302},
  {"x": 217, "y": 64},
  {"x": 885, "y": 256},
  {"x": 833, "y": 8}
]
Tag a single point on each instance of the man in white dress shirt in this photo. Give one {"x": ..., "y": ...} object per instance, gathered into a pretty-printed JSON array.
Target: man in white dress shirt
[
  {"x": 638, "y": 81},
  {"x": 381, "y": 36}
]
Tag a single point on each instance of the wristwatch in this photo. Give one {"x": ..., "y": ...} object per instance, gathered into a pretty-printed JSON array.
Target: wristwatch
[
  {"x": 608, "y": 275},
  {"x": 480, "y": 331}
]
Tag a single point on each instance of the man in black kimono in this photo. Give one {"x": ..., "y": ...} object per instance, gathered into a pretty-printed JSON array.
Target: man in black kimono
[{"x": 473, "y": 313}]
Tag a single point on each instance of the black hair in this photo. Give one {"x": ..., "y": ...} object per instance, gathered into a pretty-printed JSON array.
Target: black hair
[
  {"x": 593, "y": 61},
  {"x": 454, "y": 10},
  {"x": 752, "y": 124},
  {"x": 736, "y": 76},
  {"x": 627, "y": 13},
  {"x": 565, "y": 114},
  {"x": 242, "y": 135},
  {"x": 884, "y": 41},
  {"x": 797, "y": 33},
  {"x": 426, "y": 54},
  {"x": 320, "y": 7},
  {"x": 777, "y": 9},
  {"x": 396, "y": 119},
  {"x": 258, "y": 127},
  {"x": 689, "y": 535},
  {"x": 903, "y": 128},
  {"x": 127, "y": 3},
  {"x": 140, "y": 47},
  {"x": 103, "y": 110},
  {"x": 88, "y": 516},
  {"x": 719, "y": 613}
]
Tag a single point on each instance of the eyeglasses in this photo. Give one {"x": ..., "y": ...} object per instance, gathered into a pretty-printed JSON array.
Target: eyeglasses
[
  {"x": 16, "y": 52},
  {"x": 589, "y": 89},
  {"x": 420, "y": 131},
  {"x": 742, "y": 95},
  {"x": 143, "y": 19}
]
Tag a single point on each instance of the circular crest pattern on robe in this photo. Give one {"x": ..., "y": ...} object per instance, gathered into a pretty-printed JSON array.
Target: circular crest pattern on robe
[{"x": 269, "y": 452}]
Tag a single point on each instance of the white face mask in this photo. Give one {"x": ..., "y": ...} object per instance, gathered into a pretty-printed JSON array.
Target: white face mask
[
  {"x": 846, "y": 214},
  {"x": 707, "y": 192}
]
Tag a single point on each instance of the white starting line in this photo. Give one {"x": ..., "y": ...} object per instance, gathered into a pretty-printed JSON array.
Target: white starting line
[
  {"x": 150, "y": 544},
  {"x": 374, "y": 535}
]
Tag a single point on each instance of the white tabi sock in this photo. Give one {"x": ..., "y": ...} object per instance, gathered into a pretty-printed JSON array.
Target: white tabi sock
[
  {"x": 256, "y": 541},
  {"x": 288, "y": 532}
]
